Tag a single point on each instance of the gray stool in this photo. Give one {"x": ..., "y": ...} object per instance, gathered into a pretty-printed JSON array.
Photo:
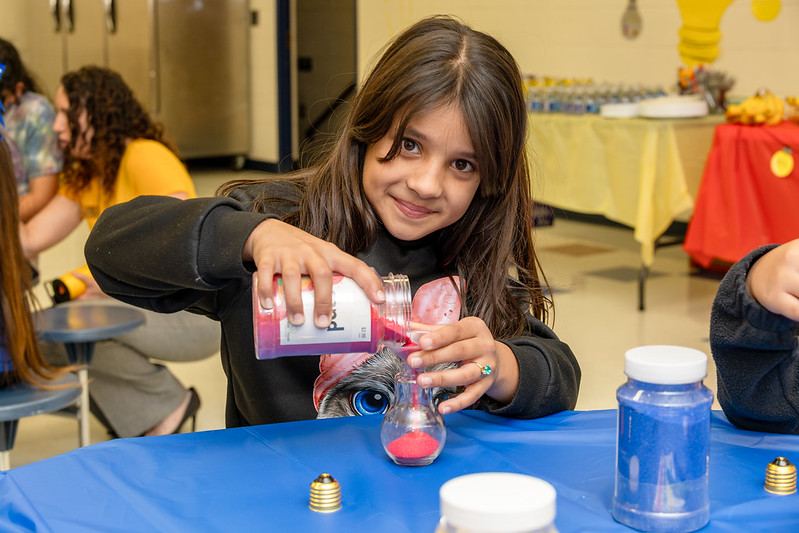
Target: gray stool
[{"x": 21, "y": 400}]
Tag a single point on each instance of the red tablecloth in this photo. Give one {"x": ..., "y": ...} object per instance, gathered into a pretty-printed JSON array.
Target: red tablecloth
[{"x": 741, "y": 203}]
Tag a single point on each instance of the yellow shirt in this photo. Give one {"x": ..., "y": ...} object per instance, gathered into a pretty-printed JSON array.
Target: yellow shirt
[{"x": 147, "y": 168}]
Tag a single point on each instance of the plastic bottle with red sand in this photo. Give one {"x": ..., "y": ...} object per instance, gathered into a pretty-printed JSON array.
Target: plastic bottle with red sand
[{"x": 356, "y": 324}]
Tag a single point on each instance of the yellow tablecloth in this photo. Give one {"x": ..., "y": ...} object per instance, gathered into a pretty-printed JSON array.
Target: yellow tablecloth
[{"x": 643, "y": 173}]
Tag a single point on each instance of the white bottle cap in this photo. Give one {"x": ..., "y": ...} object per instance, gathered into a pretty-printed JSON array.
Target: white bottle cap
[
  {"x": 665, "y": 365},
  {"x": 497, "y": 502}
]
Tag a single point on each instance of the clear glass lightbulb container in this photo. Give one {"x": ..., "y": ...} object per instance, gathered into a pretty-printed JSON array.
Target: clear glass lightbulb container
[{"x": 413, "y": 431}]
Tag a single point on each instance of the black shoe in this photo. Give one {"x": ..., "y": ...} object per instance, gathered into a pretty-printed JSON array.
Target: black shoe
[{"x": 191, "y": 411}]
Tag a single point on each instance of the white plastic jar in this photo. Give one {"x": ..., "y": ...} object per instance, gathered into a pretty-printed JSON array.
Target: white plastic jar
[
  {"x": 497, "y": 502},
  {"x": 663, "y": 443}
]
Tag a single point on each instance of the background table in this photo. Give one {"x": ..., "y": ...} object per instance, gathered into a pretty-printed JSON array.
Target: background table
[
  {"x": 258, "y": 478},
  {"x": 741, "y": 204},
  {"x": 643, "y": 173},
  {"x": 79, "y": 327}
]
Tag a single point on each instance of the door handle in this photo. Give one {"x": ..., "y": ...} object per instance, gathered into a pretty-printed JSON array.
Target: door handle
[
  {"x": 55, "y": 12},
  {"x": 110, "y": 15},
  {"x": 68, "y": 15}
]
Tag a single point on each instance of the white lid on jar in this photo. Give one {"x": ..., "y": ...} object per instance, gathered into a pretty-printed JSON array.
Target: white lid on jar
[
  {"x": 665, "y": 365},
  {"x": 497, "y": 502}
]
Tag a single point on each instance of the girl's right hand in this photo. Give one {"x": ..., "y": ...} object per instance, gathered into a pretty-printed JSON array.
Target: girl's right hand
[
  {"x": 279, "y": 248},
  {"x": 773, "y": 280}
]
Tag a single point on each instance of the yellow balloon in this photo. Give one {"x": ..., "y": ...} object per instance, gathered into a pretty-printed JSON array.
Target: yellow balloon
[
  {"x": 766, "y": 10},
  {"x": 782, "y": 163}
]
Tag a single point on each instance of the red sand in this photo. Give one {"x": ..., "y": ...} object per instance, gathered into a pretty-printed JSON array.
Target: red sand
[
  {"x": 413, "y": 445},
  {"x": 391, "y": 328}
]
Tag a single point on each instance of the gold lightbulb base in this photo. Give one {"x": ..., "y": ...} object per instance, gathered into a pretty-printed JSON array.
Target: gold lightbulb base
[
  {"x": 780, "y": 477},
  {"x": 325, "y": 494}
]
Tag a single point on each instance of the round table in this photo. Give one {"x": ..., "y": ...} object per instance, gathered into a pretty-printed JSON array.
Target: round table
[{"x": 79, "y": 327}]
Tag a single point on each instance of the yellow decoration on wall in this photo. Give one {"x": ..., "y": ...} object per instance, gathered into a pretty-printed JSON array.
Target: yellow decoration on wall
[
  {"x": 699, "y": 34},
  {"x": 766, "y": 10}
]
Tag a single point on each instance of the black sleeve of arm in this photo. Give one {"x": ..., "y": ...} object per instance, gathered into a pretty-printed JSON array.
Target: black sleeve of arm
[
  {"x": 549, "y": 375},
  {"x": 755, "y": 355},
  {"x": 165, "y": 254}
]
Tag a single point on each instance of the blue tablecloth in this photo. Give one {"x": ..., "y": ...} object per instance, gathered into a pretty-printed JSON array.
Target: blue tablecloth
[{"x": 259, "y": 478}]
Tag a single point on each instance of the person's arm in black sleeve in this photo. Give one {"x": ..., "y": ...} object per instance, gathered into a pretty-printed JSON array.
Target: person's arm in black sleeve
[
  {"x": 165, "y": 254},
  {"x": 549, "y": 375},
  {"x": 755, "y": 352}
]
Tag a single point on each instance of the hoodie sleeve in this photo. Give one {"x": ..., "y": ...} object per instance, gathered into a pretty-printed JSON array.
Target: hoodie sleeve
[
  {"x": 755, "y": 355},
  {"x": 165, "y": 254},
  {"x": 549, "y": 375}
]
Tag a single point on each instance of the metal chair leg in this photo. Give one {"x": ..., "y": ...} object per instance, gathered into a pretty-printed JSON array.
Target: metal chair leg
[
  {"x": 83, "y": 407},
  {"x": 8, "y": 433},
  {"x": 81, "y": 353},
  {"x": 642, "y": 275}
]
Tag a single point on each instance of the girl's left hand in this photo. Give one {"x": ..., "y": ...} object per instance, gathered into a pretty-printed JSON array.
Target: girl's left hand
[{"x": 469, "y": 343}]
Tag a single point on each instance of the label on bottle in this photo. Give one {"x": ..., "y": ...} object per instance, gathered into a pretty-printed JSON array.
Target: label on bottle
[{"x": 350, "y": 320}]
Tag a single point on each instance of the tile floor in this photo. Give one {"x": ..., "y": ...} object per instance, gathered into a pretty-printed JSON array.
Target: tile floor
[{"x": 591, "y": 267}]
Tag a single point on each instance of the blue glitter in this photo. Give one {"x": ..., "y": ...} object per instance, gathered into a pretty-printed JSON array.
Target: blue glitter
[{"x": 662, "y": 456}]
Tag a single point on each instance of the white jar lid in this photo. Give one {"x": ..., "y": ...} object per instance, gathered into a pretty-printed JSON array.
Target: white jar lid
[
  {"x": 497, "y": 502},
  {"x": 665, "y": 365}
]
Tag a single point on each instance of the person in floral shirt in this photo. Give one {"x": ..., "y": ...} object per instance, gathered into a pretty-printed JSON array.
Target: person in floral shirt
[{"x": 29, "y": 120}]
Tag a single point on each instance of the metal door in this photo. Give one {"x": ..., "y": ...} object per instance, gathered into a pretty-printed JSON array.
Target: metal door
[
  {"x": 63, "y": 35},
  {"x": 128, "y": 26},
  {"x": 44, "y": 46},
  {"x": 187, "y": 61},
  {"x": 202, "y": 75},
  {"x": 84, "y": 35}
]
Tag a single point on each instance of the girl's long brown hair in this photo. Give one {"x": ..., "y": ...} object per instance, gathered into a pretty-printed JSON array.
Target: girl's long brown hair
[
  {"x": 440, "y": 61},
  {"x": 116, "y": 117},
  {"x": 17, "y": 334}
]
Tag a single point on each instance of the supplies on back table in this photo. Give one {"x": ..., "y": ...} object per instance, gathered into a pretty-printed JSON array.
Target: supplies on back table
[
  {"x": 761, "y": 108},
  {"x": 582, "y": 96}
]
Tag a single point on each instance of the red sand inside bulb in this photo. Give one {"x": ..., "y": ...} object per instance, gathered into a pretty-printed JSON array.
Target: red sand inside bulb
[{"x": 413, "y": 445}]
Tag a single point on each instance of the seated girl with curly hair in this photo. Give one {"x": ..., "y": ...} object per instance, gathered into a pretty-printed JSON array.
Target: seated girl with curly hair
[{"x": 113, "y": 152}]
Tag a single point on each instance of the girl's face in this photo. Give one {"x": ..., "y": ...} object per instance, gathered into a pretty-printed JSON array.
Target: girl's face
[
  {"x": 432, "y": 180},
  {"x": 80, "y": 148}
]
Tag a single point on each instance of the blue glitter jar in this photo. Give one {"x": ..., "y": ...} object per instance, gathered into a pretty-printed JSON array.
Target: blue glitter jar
[{"x": 662, "y": 448}]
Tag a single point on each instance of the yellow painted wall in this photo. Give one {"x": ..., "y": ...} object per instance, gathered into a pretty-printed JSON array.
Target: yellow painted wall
[
  {"x": 12, "y": 22},
  {"x": 582, "y": 38},
  {"x": 561, "y": 38}
]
